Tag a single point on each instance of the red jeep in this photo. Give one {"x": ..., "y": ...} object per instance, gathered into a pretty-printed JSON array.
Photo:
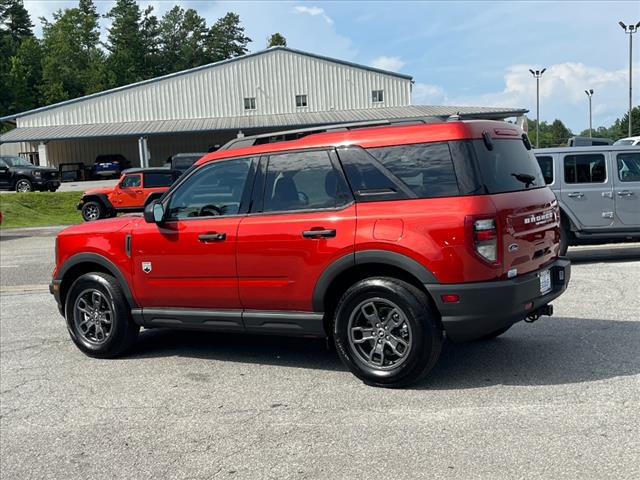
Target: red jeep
[
  {"x": 381, "y": 238},
  {"x": 136, "y": 187}
]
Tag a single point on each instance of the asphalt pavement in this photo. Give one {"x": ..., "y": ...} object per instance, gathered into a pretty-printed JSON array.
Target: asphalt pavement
[{"x": 556, "y": 399}]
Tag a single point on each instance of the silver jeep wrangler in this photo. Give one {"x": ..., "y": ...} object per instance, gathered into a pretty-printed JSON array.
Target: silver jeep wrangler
[{"x": 598, "y": 189}]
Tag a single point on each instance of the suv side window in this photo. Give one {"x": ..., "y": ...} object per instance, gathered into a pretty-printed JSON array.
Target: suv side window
[
  {"x": 213, "y": 190},
  {"x": 158, "y": 179},
  {"x": 3, "y": 164},
  {"x": 546, "y": 165},
  {"x": 589, "y": 168},
  {"x": 302, "y": 181},
  {"x": 629, "y": 167},
  {"x": 426, "y": 168},
  {"x": 130, "y": 181}
]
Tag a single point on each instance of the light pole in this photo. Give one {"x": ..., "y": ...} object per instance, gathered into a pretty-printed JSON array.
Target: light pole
[
  {"x": 537, "y": 74},
  {"x": 630, "y": 30},
  {"x": 589, "y": 94}
]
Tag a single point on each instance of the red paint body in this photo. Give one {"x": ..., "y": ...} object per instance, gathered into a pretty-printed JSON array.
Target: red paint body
[{"x": 265, "y": 263}]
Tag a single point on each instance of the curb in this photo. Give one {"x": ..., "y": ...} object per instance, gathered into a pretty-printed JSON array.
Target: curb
[{"x": 32, "y": 231}]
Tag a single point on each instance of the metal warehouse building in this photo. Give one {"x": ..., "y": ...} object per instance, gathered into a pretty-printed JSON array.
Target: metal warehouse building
[{"x": 199, "y": 109}]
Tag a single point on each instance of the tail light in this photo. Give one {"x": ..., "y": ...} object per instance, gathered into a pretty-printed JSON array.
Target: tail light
[{"x": 485, "y": 238}]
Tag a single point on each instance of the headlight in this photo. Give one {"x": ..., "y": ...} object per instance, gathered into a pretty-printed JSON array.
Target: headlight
[{"x": 37, "y": 174}]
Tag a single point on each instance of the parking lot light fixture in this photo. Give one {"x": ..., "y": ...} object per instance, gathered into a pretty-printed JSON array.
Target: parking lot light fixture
[
  {"x": 630, "y": 30},
  {"x": 537, "y": 75},
  {"x": 589, "y": 94}
]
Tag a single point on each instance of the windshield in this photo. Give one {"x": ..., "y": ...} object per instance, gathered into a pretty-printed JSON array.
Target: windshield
[
  {"x": 624, "y": 141},
  {"x": 508, "y": 167},
  {"x": 17, "y": 162}
]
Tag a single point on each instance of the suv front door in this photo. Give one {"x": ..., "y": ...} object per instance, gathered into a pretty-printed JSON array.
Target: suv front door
[
  {"x": 587, "y": 190},
  {"x": 128, "y": 193},
  {"x": 189, "y": 260},
  {"x": 627, "y": 188},
  {"x": 303, "y": 219}
]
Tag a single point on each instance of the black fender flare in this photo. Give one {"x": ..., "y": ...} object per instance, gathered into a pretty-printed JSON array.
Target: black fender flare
[
  {"x": 104, "y": 262},
  {"x": 364, "y": 257},
  {"x": 101, "y": 197}
]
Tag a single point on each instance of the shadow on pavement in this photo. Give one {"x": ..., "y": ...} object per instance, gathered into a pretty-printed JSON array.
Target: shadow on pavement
[
  {"x": 604, "y": 254},
  {"x": 550, "y": 352}
]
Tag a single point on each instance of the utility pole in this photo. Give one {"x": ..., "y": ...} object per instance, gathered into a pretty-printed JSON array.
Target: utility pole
[
  {"x": 630, "y": 30},
  {"x": 589, "y": 94},
  {"x": 537, "y": 75}
]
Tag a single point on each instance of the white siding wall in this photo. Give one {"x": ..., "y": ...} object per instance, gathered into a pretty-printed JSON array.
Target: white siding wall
[{"x": 274, "y": 78}]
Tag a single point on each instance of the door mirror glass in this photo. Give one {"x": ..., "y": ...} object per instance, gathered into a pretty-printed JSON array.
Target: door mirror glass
[{"x": 154, "y": 212}]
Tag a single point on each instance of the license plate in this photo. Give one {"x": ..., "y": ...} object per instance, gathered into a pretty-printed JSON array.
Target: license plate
[{"x": 545, "y": 282}]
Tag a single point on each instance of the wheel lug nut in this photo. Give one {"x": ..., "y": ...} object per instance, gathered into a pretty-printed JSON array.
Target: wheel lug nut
[{"x": 387, "y": 337}]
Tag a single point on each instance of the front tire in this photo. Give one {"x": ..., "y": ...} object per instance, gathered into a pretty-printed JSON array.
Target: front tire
[
  {"x": 98, "y": 316},
  {"x": 24, "y": 185},
  {"x": 387, "y": 332},
  {"x": 92, "y": 211}
]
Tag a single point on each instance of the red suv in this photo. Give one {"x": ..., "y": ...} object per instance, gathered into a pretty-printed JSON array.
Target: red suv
[
  {"x": 136, "y": 187},
  {"x": 382, "y": 238}
]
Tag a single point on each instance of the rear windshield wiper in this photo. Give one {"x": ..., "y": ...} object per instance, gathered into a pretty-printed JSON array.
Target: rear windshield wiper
[{"x": 525, "y": 178}]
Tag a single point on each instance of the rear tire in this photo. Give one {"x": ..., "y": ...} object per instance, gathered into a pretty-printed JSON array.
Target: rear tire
[
  {"x": 92, "y": 211},
  {"x": 387, "y": 332},
  {"x": 98, "y": 316}
]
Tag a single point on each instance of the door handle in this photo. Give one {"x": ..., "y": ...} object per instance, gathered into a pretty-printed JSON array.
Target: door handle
[
  {"x": 575, "y": 195},
  {"x": 212, "y": 237},
  {"x": 625, "y": 193},
  {"x": 319, "y": 233}
]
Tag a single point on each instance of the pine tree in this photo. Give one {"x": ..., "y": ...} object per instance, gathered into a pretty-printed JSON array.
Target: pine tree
[
  {"x": 275, "y": 40},
  {"x": 15, "y": 20},
  {"x": 226, "y": 39},
  {"x": 25, "y": 75},
  {"x": 126, "y": 43},
  {"x": 181, "y": 39}
]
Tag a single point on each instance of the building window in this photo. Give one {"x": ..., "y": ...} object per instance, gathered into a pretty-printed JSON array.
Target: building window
[
  {"x": 377, "y": 96},
  {"x": 250, "y": 103},
  {"x": 301, "y": 100}
]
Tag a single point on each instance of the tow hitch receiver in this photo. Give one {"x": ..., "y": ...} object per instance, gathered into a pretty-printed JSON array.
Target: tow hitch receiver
[{"x": 536, "y": 314}]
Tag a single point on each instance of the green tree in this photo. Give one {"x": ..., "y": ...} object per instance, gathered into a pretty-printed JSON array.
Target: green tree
[
  {"x": 559, "y": 133},
  {"x": 226, "y": 39},
  {"x": 25, "y": 75},
  {"x": 73, "y": 64},
  {"x": 275, "y": 40},
  {"x": 181, "y": 39}
]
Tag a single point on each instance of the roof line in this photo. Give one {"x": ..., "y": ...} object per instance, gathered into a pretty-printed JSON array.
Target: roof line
[{"x": 197, "y": 69}]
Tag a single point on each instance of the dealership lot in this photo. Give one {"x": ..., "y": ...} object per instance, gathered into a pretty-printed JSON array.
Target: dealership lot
[{"x": 559, "y": 398}]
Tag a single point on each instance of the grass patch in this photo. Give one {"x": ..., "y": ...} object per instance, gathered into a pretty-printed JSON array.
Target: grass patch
[{"x": 39, "y": 209}]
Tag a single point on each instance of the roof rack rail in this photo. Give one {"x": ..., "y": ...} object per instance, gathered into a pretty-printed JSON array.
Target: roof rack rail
[{"x": 285, "y": 135}]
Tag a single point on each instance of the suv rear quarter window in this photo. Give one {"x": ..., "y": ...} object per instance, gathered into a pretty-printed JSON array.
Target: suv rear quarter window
[
  {"x": 588, "y": 168},
  {"x": 629, "y": 167},
  {"x": 158, "y": 179}
]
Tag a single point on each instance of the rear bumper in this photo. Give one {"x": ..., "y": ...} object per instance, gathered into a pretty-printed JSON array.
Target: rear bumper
[{"x": 486, "y": 307}]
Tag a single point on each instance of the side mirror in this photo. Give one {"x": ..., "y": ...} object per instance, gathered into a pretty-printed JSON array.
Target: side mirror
[{"x": 154, "y": 212}]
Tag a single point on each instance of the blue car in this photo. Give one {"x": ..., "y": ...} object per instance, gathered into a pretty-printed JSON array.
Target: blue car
[{"x": 110, "y": 166}]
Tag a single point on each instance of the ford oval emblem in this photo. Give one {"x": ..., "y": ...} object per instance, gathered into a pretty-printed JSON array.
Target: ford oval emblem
[{"x": 513, "y": 248}]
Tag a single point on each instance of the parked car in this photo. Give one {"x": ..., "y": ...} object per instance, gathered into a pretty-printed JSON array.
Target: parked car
[
  {"x": 598, "y": 190},
  {"x": 588, "y": 142},
  {"x": 20, "y": 175},
  {"x": 629, "y": 141},
  {"x": 183, "y": 161},
  {"x": 382, "y": 239},
  {"x": 110, "y": 165},
  {"x": 136, "y": 187}
]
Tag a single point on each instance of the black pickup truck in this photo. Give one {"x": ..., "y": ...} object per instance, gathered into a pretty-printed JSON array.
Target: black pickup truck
[{"x": 18, "y": 174}]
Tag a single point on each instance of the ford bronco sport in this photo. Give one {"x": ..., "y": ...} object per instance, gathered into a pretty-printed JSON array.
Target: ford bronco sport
[
  {"x": 136, "y": 187},
  {"x": 383, "y": 238}
]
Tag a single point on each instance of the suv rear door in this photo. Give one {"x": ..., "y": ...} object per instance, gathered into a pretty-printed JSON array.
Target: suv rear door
[
  {"x": 280, "y": 258},
  {"x": 587, "y": 188},
  {"x": 626, "y": 187}
]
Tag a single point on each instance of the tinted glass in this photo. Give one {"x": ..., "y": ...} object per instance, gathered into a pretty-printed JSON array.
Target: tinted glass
[
  {"x": 427, "y": 168},
  {"x": 16, "y": 162},
  {"x": 300, "y": 181},
  {"x": 629, "y": 167},
  {"x": 546, "y": 165},
  {"x": 213, "y": 190},
  {"x": 509, "y": 167},
  {"x": 158, "y": 179},
  {"x": 588, "y": 168},
  {"x": 130, "y": 181}
]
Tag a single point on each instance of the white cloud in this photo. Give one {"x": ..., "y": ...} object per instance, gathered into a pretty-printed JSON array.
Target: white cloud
[
  {"x": 561, "y": 93},
  {"x": 392, "y": 64},
  {"x": 314, "y": 11}
]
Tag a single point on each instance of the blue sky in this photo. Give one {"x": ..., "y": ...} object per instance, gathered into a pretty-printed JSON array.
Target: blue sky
[{"x": 459, "y": 53}]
